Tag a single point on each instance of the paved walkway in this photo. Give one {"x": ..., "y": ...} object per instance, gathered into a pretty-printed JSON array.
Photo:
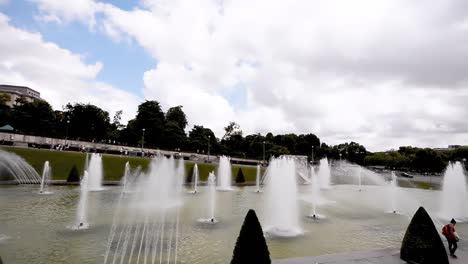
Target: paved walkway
[{"x": 382, "y": 256}]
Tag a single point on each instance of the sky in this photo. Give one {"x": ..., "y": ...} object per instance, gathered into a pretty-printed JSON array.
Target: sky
[{"x": 384, "y": 73}]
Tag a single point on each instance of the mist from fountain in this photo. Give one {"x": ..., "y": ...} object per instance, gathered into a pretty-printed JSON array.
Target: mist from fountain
[
  {"x": 86, "y": 164},
  {"x": 45, "y": 178},
  {"x": 359, "y": 174},
  {"x": 281, "y": 211},
  {"x": 315, "y": 193},
  {"x": 393, "y": 187},
  {"x": 257, "y": 180},
  {"x": 13, "y": 167},
  {"x": 145, "y": 227},
  {"x": 195, "y": 177},
  {"x": 224, "y": 174},
  {"x": 95, "y": 172},
  {"x": 82, "y": 210},
  {"x": 324, "y": 174},
  {"x": 454, "y": 200}
]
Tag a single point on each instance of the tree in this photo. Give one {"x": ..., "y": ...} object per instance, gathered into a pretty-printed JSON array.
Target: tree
[
  {"x": 199, "y": 138},
  {"x": 233, "y": 129},
  {"x": 87, "y": 121},
  {"x": 174, "y": 136},
  {"x": 251, "y": 246},
  {"x": 177, "y": 115},
  {"x": 232, "y": 141},
  {"x": 422, "y": 243},
  {"x": 74, "y": 175},
  {"x": 151, "y": 118},
  {"x": 5, "y": 110},
  {"x": 33, "y": 118},
  {"x": 240, "y": 176},
  {"x": 428, "y": 160}
]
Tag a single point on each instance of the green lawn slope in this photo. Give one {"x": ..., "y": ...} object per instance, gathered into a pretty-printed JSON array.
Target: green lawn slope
[{"x": 61, "y": 163}]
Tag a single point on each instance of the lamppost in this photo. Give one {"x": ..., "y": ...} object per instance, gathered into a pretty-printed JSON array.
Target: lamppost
[
  {"x": 66, "y": 131},
  {"x": 263, "y": 161},
  {"x": 142, "y": 141},
  {"x": 209, "y": 137},
  {"x": 312, "y": 156}
]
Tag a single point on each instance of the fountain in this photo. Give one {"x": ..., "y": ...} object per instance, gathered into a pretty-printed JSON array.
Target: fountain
[
  {"x": 314, "y": 190},
  {"x": 145, "y": 226},
  {"x": 95, "y": 172},
  {"x": 224, "y": 174},
  {"x": 45, "y": 178},
  {"x": 359, "y": 174},
  {"x": 16, "y": 169},
  {"x": 324, "y": 174},
  {"x": 86, "y": 164},
  {"x": 195, "y": 177},
  {"x": 454, "y": 202},
  {"x": 393, "y": 194},
  {"x": 281, "y": 216},
  {"x": 211, "y": 201},
  {"x": 81, "y": 214},
  {"x": 257, "y": 180}
]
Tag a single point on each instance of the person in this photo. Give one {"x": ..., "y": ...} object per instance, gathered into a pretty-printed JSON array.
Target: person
[{"x": 452, "y": 237}]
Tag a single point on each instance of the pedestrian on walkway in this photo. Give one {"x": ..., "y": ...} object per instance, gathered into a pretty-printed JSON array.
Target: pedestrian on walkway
[{"x": 452, "y": 237}]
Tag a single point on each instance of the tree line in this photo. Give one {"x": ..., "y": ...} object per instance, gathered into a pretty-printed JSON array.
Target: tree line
[
  {"x": 417, "y": 159},
  {"x": 151, "y": 128},
  {"x": 154, "y": 128}
]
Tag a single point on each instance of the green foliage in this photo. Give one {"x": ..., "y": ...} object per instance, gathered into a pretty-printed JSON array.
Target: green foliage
[
  {"x": 5, "y": 110},
  {"x": 251, "y": 246},
  {"x": 177, "y": 115},
  {"x": 409, "y": 158},
  {"x": 199, "y": 138},
  {"x": 151, "y": 118},
  {"x": 422, "y": 243},
  {"x": 240, "y": 176},
  {"x": 87, "y": 122},
  {"x": 74, "y": 175},
  {"x": 33, "y": 118},
  {"x": 174, "y": 136}
]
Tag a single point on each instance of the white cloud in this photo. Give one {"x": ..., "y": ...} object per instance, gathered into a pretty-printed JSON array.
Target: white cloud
[
  {"x": 60, "y": 75},
  {"x": 383, "y": 73}
]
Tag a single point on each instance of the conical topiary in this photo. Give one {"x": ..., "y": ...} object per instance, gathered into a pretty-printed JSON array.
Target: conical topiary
[
  {"x": 74, "y": 175},
  {"x": 189, "y": 176},
  {"x": 240, "y": 176},
  {"x": 251, "y": 246},
  {"x": 422, "y": 243}
]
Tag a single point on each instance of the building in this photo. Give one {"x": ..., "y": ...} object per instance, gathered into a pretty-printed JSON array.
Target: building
[{"x": 16, "y": 92}]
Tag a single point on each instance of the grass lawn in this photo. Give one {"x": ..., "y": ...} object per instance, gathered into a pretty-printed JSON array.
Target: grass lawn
[{"x": 61, "y": 163}]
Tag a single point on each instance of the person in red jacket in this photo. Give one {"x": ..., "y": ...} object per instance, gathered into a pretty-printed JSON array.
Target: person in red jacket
[{"x": 452, "y": 237}]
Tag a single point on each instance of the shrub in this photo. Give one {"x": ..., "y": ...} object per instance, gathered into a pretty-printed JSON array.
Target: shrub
[
  {"x": 74, "y": 175},
  {"x": 251, "y": 246},
  {"x": 422, "y": 243},
  {"x": 240, "y": 176}
]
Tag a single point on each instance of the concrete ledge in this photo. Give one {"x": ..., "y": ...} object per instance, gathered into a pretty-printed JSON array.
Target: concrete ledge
[{"x": 389, "y": 255}]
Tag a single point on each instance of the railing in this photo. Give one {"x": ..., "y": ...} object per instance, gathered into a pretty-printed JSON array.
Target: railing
[{"x": 85, "y": 145}]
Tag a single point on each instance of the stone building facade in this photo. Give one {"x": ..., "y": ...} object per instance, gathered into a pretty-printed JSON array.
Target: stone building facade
[{"x": 16, "y": 92}]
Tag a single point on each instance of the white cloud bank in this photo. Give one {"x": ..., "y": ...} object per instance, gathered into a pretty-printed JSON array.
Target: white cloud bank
[
  {"x": 384, "y": 73},
  {"x": 60, "y": 76}
]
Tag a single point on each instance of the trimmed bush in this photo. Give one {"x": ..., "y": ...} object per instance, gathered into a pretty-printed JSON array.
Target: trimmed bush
[
  {"x": 240, "y": 176},
  {"x": 189, "y": 175},
  {"x": 422, "y": 243},
  {"x": 74, "y": 175},
  {"x": 251, "y": 246}
]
